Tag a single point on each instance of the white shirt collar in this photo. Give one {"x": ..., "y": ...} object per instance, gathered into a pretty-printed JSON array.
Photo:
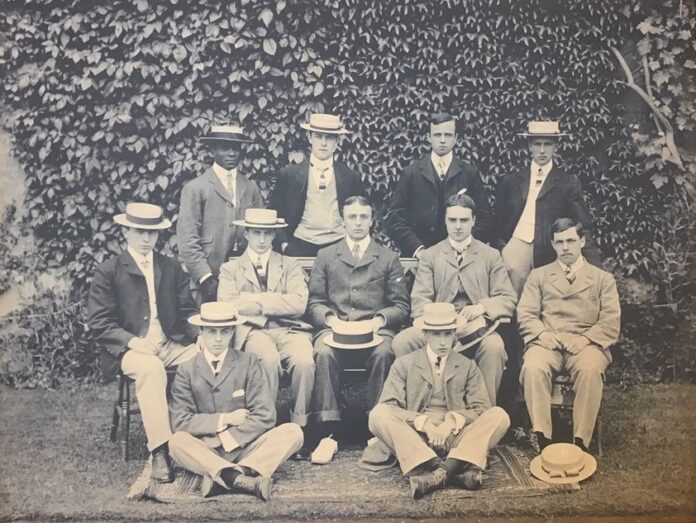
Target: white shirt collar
[
  {"x": 545, "y": 169},
  {"x": 462, "y": 245},
  {"x": 254, "y": 256},
  {"x": 222, "y": 173},
  {"x": 139, "y": 258},
  {"x": 209, "y": 357},
  {"x": 577, "y": 265},
  {"x": 316, "y": 163},
  {"x": 362, "y": 243},
  {"x": 447, "y": 159},
  {"x": 432, "y": 357}
]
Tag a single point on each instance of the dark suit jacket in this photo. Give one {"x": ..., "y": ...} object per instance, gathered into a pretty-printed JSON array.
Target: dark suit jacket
[
  {"x": 119, "y": 309},
  {"x": 199, "y": 397},
  {"x": 560, "y": 197},
  {"x": 290, "y": 193},
  {"x": 416, "y": 218},
  {"x": 409, "y": 385},
  {"x": 375, "y": 285},
  {"x": 204, "y": 231}
]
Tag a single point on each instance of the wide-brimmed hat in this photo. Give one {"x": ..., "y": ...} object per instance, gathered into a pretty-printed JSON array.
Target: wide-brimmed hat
[
  {"x": 563, "y": 463},
  {"x": 352, "y": 335},
  {"x": 226, "y": 133},
  {"x": 217, "y": 314},
  {"x": 437, "y": 317},
  {"x": 143, "y": 216},
  {"x": 325, "y": 123},
  {"x": 261, "y": 219},
  {"x": 543, "y": 128}
]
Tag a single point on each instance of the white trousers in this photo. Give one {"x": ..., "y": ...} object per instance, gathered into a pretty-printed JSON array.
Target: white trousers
[{"x": 518, "y": 257}]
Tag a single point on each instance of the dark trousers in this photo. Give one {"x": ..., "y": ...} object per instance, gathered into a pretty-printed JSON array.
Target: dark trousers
[{"x": 300, "y": 248}]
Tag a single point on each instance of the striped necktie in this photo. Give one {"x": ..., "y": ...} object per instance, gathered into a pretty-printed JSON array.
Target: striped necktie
[
  {"x": 568, "y": 274},
  {"x": 356, "y": 252},
  {"x": 539, "y": 179}
]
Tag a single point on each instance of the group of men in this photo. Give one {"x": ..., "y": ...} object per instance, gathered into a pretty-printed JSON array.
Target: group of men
[{"x": 242, "y": 310}]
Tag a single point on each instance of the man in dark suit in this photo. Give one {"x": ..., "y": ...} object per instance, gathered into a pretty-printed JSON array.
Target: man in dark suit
[
  {"x": 416, "y": 214},
  {"x": 310, "y": 195},
  {"x": 528, "y": 202},
  {"x": 354, "y": 280},
  {"x": 138, "y": 305},
  {"x": 224, "y": 413},
  {"x": 205, "y": 231}
]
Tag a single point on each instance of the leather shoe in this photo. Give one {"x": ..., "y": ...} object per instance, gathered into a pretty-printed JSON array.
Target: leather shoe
[
  {"x": 470, "y": 479},
  {"x": 257, "y": 486},
  {"x": 428, "y": 482},
  {"x": 161, "y": 471}
]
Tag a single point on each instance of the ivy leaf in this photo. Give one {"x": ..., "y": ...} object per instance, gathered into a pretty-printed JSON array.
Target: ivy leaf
[
  {"x": 266, "y": 17},
  {"x": 270, "y": 46}
]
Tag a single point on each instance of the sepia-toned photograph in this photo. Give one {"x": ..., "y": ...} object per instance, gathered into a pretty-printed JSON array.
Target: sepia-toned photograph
[{"x": 348, "y": 260}]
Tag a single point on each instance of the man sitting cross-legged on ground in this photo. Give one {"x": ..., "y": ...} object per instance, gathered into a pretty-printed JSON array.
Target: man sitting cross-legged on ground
[
  {"x": 138, "y": 305},
  {"x": 271, "y": 292},
  {"x": 224, "y": 414},
  {"x": 471, "y": 275},
  {"x": 434, "y": 413},
  {"x": 569, "y": 315}
]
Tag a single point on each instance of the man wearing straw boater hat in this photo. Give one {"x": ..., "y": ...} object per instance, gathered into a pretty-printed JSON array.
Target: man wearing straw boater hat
[
  {"x": 356, "y": 281},
  {"x": 529, "y": 201},
  {"x": 224, "y": 414},
  {"x": 569, "y": 316},
  {"x": 471, "y": 275},
  {"x": 434, "y": 414},
  {"x": 416, "y": 215},
  {"x": 271, "y": 291},
  {"x": 138, "y": 305},
  {"x": 205, "y": 232},
  {"x": 310, "y": 195}
]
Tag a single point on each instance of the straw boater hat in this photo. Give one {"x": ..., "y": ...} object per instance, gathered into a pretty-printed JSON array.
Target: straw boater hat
[
  {"x": 543, "y": 128},
  {"x": 217, "y": 314},
  {"x": 325, "y": 123},
  {"x": 437, "y": 317},
  {"x": 563, "y": 463},
  {"x": 226, "y": 133},
  {"x": 352, "y": 335},
  {"x": 261, "y": 219},
  {"x": 143, "y": 216}
]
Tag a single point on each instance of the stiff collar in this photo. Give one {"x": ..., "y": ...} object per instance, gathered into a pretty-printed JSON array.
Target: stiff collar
[
  {"x": 139, "y": 258},
  {"x": 446, "y": 159},
  {"x": 545, "y": 170},
  {"x": 364, "y": 243},
  {"x": 254, "y": 257},
  {"x": 460, "y": 246},
  {"x": 210, "y": 358},
  {"x": 316, "y": 163},
  {"x": 577, "y": 265},
  {"x": 432, "y": 358},
  {"x": 222, "y": 173}
]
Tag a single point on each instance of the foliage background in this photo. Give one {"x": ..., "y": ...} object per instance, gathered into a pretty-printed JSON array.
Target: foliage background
[{"x": 105, "y": 104}]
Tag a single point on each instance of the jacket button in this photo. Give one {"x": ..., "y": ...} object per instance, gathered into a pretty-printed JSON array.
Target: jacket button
[
  {"x": 145, "y": 318},
  {"x": 229, "y": 204},
  {"x": 430, "y": 386}
]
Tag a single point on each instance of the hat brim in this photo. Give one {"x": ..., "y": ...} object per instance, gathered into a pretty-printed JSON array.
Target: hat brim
[
  {"x": 589, "y": 469},
  {"x": 309, "y": 127},
  {"x": 419, "y": 323},
  {"x": 328, "y": 339},
  {"x": 199, "y": 322},
  {"x": 543, "y": 135},
  {"x": 243, "y": 223},
  {"x": 213, "y": 139},
  {"x": 122, "y": 219}
]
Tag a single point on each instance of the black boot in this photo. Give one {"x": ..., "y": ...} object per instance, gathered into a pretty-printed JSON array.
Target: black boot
[
  {"x": 428, "y": 482},
  {"x": 161, "y": 471}
]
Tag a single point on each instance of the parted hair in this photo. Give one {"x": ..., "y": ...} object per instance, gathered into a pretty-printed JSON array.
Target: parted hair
[
  {"x": 359, "y": 199},
  {"x": 461, "y": 200},
  {"x": 563, "y": 224}
]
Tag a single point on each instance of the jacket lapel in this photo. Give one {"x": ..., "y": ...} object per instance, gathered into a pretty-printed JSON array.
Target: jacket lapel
[
  {"x": 344, "y": 254},
  {"x": 300, "y": 176},
  {"x": 129, "y": 264},
  {"x": 583, "y": 279},
  {"x": 249, "y": 272},
  {"x": 242, "y": 186},
  {"x": 274, "y": 271},
  {"x": 551, "y": 181},
  {"x": 227, "y": 365},
  {"x": 423, "y": 366},
  {"x": 157, "y": 269},
  {"x": 427, "y": 170},
  {"x": 370, "y": 255},
  {"x": 204, "y": 370},
  {"x": 557, "y": 279},
  {"x": 451, "y": 367},
  {"x": 217, "y": 185}
]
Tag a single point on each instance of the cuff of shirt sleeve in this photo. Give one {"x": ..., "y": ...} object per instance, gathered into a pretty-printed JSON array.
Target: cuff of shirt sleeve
[
  {"x": 419, "y": 422},
  {"x": 205, "y": 277},
  {"x": 221, "y": 425},
  {"x": 419, "y": 249},
  {"x": 228, "y": 442},
  {"x": 458, "y": 420}
]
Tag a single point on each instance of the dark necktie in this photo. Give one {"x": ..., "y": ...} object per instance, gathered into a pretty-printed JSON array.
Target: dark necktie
[
  {"x": 215, "y": 364},
  {"x": 437, "y": 364},
  {"x": 539, "y": 179},
  {"x": 569, "y": 275},
  {"x": 322, "y": 177},
  {"x": 460, "y": 258}
]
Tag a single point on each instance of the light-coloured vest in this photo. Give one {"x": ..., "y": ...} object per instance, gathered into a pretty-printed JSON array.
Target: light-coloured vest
[
  {"x": 321, "y": 222},
  {"x": 437, "y": 407}
]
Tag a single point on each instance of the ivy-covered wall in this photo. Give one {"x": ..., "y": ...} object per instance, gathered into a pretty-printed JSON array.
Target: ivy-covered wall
[{"x": 105, "y": 102}]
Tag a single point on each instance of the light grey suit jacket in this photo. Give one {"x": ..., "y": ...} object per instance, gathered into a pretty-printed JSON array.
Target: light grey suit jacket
[
  {"x": 285, "y": 300},
  {"x": 589, "y": 306},
  {"x": 483, "y": 277}
]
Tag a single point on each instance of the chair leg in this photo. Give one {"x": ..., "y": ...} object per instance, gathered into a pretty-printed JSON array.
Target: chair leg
[
  {"x": 125, "y": 418},
  {"x": 600, "y": 450},
  {"x": 114, "y": 421}
]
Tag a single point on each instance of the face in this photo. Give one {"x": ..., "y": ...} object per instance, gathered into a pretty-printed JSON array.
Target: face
[
  {"x": 442, "y": 137},
  {"x": 226, "y": 154},
  {"x": 323, "y": 144},
  {"x": 459, "y": 222},
  {"x": 441, "y": 342},
  {"x": 357, "y": 220},
  {"x": 568, "y": 245},
  {"x": 216, "y": 339},
  {"x": 542, "y": 150},
  {"x": 260, "y": 239},
  {"x": 141, "y": 241}
]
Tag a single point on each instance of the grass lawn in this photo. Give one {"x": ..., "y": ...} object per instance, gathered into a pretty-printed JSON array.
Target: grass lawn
[{"x": 58, "y": 464}]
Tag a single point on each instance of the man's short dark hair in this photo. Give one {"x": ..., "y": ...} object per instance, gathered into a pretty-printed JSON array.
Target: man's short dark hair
[
  {"x": 438, "y": 118},
  {"x": 360, "y": 200},
  {"x": 563, "y": 224},
  {"x": 461, "y": 200}
]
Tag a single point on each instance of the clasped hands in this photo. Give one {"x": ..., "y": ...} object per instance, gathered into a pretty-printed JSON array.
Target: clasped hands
[
  {"x": 439, "y": 436},
  {"x": 246, "y": 305},
  {"x": 236, "y": 417},
  {"x": 564, "y": 341}
]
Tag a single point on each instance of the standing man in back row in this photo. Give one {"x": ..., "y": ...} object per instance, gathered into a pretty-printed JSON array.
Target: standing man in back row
[
  {"x": 416, "y": 216},
  {"x": 310, "y": 195}
]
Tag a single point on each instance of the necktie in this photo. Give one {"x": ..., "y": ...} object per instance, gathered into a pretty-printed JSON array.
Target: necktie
[
  {"x": 259, "y": 267},
  {"x": 539, "y": 178},
  {"x": 322, "y": 177},
  {"x": 569, "y": 275},
  {"x": 460, "y": 258},
  {"x": 437, "y": 364},
  {"x": 230, "y": 184},
  {"x": 215, "y": 364},
  {"x": 441, "y": 169},
  {"x": 145, "y": 263},
  {"x": 356, "y": 252}
]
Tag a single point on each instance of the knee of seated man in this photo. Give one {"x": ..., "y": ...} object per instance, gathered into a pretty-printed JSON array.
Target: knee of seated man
[
  {"x": 150, "y": 364},
  {"x": 179, "y": 440},
  {"x": 378, "y": 414},
  {"x": 493, "y": 345},
  {"x": 499, "y": 415}
]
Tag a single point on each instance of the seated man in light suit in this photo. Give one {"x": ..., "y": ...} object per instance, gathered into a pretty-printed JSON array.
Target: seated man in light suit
[
  {"x": 271, "y": 291},
  {"x": 471, "y": 275},
  {"x": 138, "y": 305},
  {"x": 354, "y": 280},
  {"x": 223, "y": 412},
  {"x": 569, "y": 315},
  {"x": 434, "y": 413}
]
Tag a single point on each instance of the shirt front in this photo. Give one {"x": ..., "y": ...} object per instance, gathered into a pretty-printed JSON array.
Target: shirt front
[
  {"x": 224, "y": 175},
  {"x": 574, "y": 267},
  {"x": 318, "y": 167},
  {"x": 210, "y": 358},
  {"x": 432, "y": 358},
  {"x": 525, "y": 226},
  {"x": 146, "y": 266},
  {"x": 445, "y": 160},
  {"x": 256, "y": 257},
  {"x": 460, "y": 246},
  {"x": 362, "y": 244}
]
